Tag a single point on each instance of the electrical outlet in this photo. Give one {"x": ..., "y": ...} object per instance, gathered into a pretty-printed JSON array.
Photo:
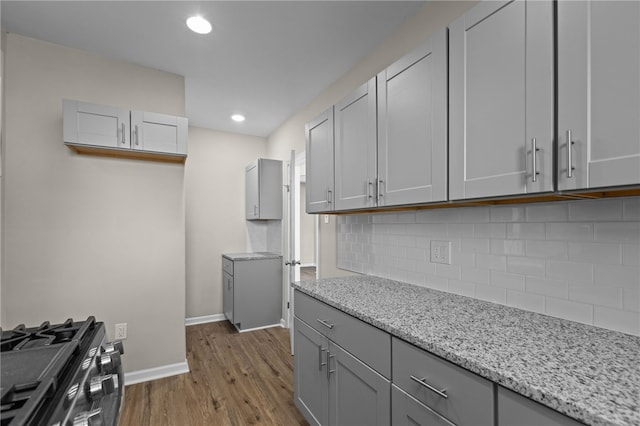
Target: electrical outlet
[
  {"x": 121, "y": 331},
  {"x": 441, "y": 252},
  {"x": 326, "y": 218}
]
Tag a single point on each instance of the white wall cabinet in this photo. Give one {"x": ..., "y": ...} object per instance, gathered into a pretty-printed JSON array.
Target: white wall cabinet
[
  {"x": 106, "y": 130},
  {"x": 263, "y": 189},
  {"x": 412, "y": 126},
  {"x": 598, "y": 94},
  {"x": 356, "y": 149},
  {"x": 319, "y": 163},
  {"x": 501, "y": 100}
]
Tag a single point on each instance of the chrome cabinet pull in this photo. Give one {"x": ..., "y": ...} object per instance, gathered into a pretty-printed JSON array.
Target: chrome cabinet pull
[
  {"x": 329, "y": 370},
  {"x": 326, "y": 324},
  {"x": 329, "y": 195},
  {"x": 369, "y": 184},
  {"x": 255, "y": 210},
  {"x": 423, "y": 382},
  {"x": 570, "y": 144},
  {"x": 320, "y": 363},
  {"x": 122, "y": 130},
  {"x": 380, "y": 182},
  {"x": 137, "y": 137},
  {"x": 534, "y": 164}
]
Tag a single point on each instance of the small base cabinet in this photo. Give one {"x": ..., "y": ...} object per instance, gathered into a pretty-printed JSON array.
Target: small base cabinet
[
  {"x": 515, "y": 409},
  {"x": 334, "y": 385},
  {"x": 252, "y": 291}
]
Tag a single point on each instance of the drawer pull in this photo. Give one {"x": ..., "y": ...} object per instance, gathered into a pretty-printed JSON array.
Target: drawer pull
[
  {"x": 320, "y": 363},
  {"x": 329, "y": 370},
  {"x": 423, "y": 382},
  {"x": 326, "y": 324}
]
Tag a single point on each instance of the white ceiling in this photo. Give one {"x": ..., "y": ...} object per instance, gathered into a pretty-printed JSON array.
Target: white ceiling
[{"x": 264, "y": 59}]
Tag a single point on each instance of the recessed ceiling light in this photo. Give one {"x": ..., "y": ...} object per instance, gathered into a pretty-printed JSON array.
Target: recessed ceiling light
[
  {"x": 199, "y": 25},
  {"x": 238, "y": 118}
]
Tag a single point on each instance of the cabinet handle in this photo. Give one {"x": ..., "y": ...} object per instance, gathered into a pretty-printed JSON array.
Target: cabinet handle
[
  {"x": 570, "y": 144},
  {"x": 329, "y": 370},
  {"x": 326, "y": 324},
  {"x": 122, "y": 129},
  {"x": 423, "y": 382},
  {"x": 320, "y": 363},
  {"x": 255, "y": 210},
  {"x": 380, "y": 182},
  {"x": 369, "y": 184},
  {"x": 329, "y": 194},
  {"x": 137, "y": 137},
  {"x": 534, "y": 164}
]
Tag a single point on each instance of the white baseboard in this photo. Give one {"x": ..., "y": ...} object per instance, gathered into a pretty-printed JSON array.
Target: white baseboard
[
  {"x": 155, "y": 373},
  {"x": 261, "y": 328},
  {"x": 204, "y": 319}
]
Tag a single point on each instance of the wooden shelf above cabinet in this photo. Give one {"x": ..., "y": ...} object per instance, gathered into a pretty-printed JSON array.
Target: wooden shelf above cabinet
[{"x": 126, "y": 153}]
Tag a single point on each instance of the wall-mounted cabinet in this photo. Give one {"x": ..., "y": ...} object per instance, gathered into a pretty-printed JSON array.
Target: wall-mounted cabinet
[
  {"x": 598, "y": 94},
  {"x": 501, "y": 100},
  {"x": 263, "y": 189},
  {"x": 106, "y": 130},
  {"x": 319, "y": 163}
]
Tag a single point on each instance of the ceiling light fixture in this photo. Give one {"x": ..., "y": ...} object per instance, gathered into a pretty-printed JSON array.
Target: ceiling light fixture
[
  {"x": 199, "y": 25},
  {"x": 238, "y": 118}
]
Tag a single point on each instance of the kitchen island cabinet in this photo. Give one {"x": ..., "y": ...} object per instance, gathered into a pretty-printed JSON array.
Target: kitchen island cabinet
[
  {"x": 586, "y": 373},
  {"x": 252, "y": 289},
  {"x": 598, "y": 94}
]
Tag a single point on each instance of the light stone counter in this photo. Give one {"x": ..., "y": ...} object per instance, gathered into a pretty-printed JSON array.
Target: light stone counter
[
  {"x": 251, "y": 256},
  {"x": 588, "y": 373}
]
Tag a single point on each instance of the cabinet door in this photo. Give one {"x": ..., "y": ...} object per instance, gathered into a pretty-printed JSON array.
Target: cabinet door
[
  {"x": 158, "y": 132},
  {"x": 598, "y": 93},
  {"x": 355, "y": 149},
  {"x": 227, "y": 296},
  {"x": 310, "y": 373},
  {"x": 501, "y": 100},
  {"x": 252, "y": 191},
  {"x": 96, "y": 125},
  {"x": 319, "y": 163},
  {"x": 408, "y": 411},
  {"x": 357, "y": 394},
  {"x": 514, "y": 409},
  {"x": 412, "y": 126}
]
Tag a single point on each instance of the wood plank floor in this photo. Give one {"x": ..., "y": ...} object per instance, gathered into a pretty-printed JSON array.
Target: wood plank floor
[{"x": 235, "y": 379}]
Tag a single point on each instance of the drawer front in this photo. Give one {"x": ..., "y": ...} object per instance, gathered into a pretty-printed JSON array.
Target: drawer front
[
  {"x": 366, "y": 342},
  {"x": 227, "y": 266},
  {"x": 407, "y": 411},
  {"x": 469, "y": 397}
]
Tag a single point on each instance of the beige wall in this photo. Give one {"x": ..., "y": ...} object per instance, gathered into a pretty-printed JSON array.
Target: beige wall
[
  {"x": 435, "y": 15},
  {"x": 307, "y": 231},
  {"x": 88, "y": 235},
  {"x": 214, "y": 191}
]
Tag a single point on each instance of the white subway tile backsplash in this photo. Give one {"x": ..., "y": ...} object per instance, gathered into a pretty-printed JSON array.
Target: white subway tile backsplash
[
  {"x": 614, "y": 319},
  {"x": 547, "y": 287},
  {"x": 578, "y": 260},
  {"x": 547, "y": 212},
  {"x": 491, "y": 294},
  {"x": 547, "y": 249},
  {"x": 569, "y": 231},
  {"x": 618, "y": 232},
  {"x": 526, "y": 231},
  {"x": 595, "y": 253},
  {"x": 595, "y": 210},
  {"x": 507, "y": 280},
  {"x": 527, "y": 301},
  {"x": 567, "y": 309}
]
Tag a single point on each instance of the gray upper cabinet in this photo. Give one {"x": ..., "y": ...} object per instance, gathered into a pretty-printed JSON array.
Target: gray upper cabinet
[
  {"x": 412, "y": 126},
  {"x": 501, "y": 100},
  {"x": 106, "y": 130},
  {"x": 598, "y": 94},
  {"x": 355, "y": 149},
  {"x": 319, "y": 163},
  {"x": 158, "y": 132},
  {"x": 263, "y": 189},
  {"x": 97, "y": 125}
]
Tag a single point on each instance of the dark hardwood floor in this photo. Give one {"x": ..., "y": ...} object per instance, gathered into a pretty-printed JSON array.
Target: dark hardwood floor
[{"x": 235, "y": 379}]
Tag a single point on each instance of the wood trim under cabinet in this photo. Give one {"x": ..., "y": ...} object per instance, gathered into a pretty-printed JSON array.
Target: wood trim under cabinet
[{"x": 126, "y": 153}]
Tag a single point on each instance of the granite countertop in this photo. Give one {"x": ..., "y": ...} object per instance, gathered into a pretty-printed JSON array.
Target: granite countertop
[
  {"x": 588, "y": 373},
  {"x": 251, "y": 256}
]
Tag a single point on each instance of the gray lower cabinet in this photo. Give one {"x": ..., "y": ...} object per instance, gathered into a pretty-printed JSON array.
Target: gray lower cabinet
[
  {"x": 334, "y": 385},
  {"x": 252, "y": 292},
  {"x": 515, "y": 409},
  {"x": 451, "y": 392},
  {"x": 408, "y": 411}
]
